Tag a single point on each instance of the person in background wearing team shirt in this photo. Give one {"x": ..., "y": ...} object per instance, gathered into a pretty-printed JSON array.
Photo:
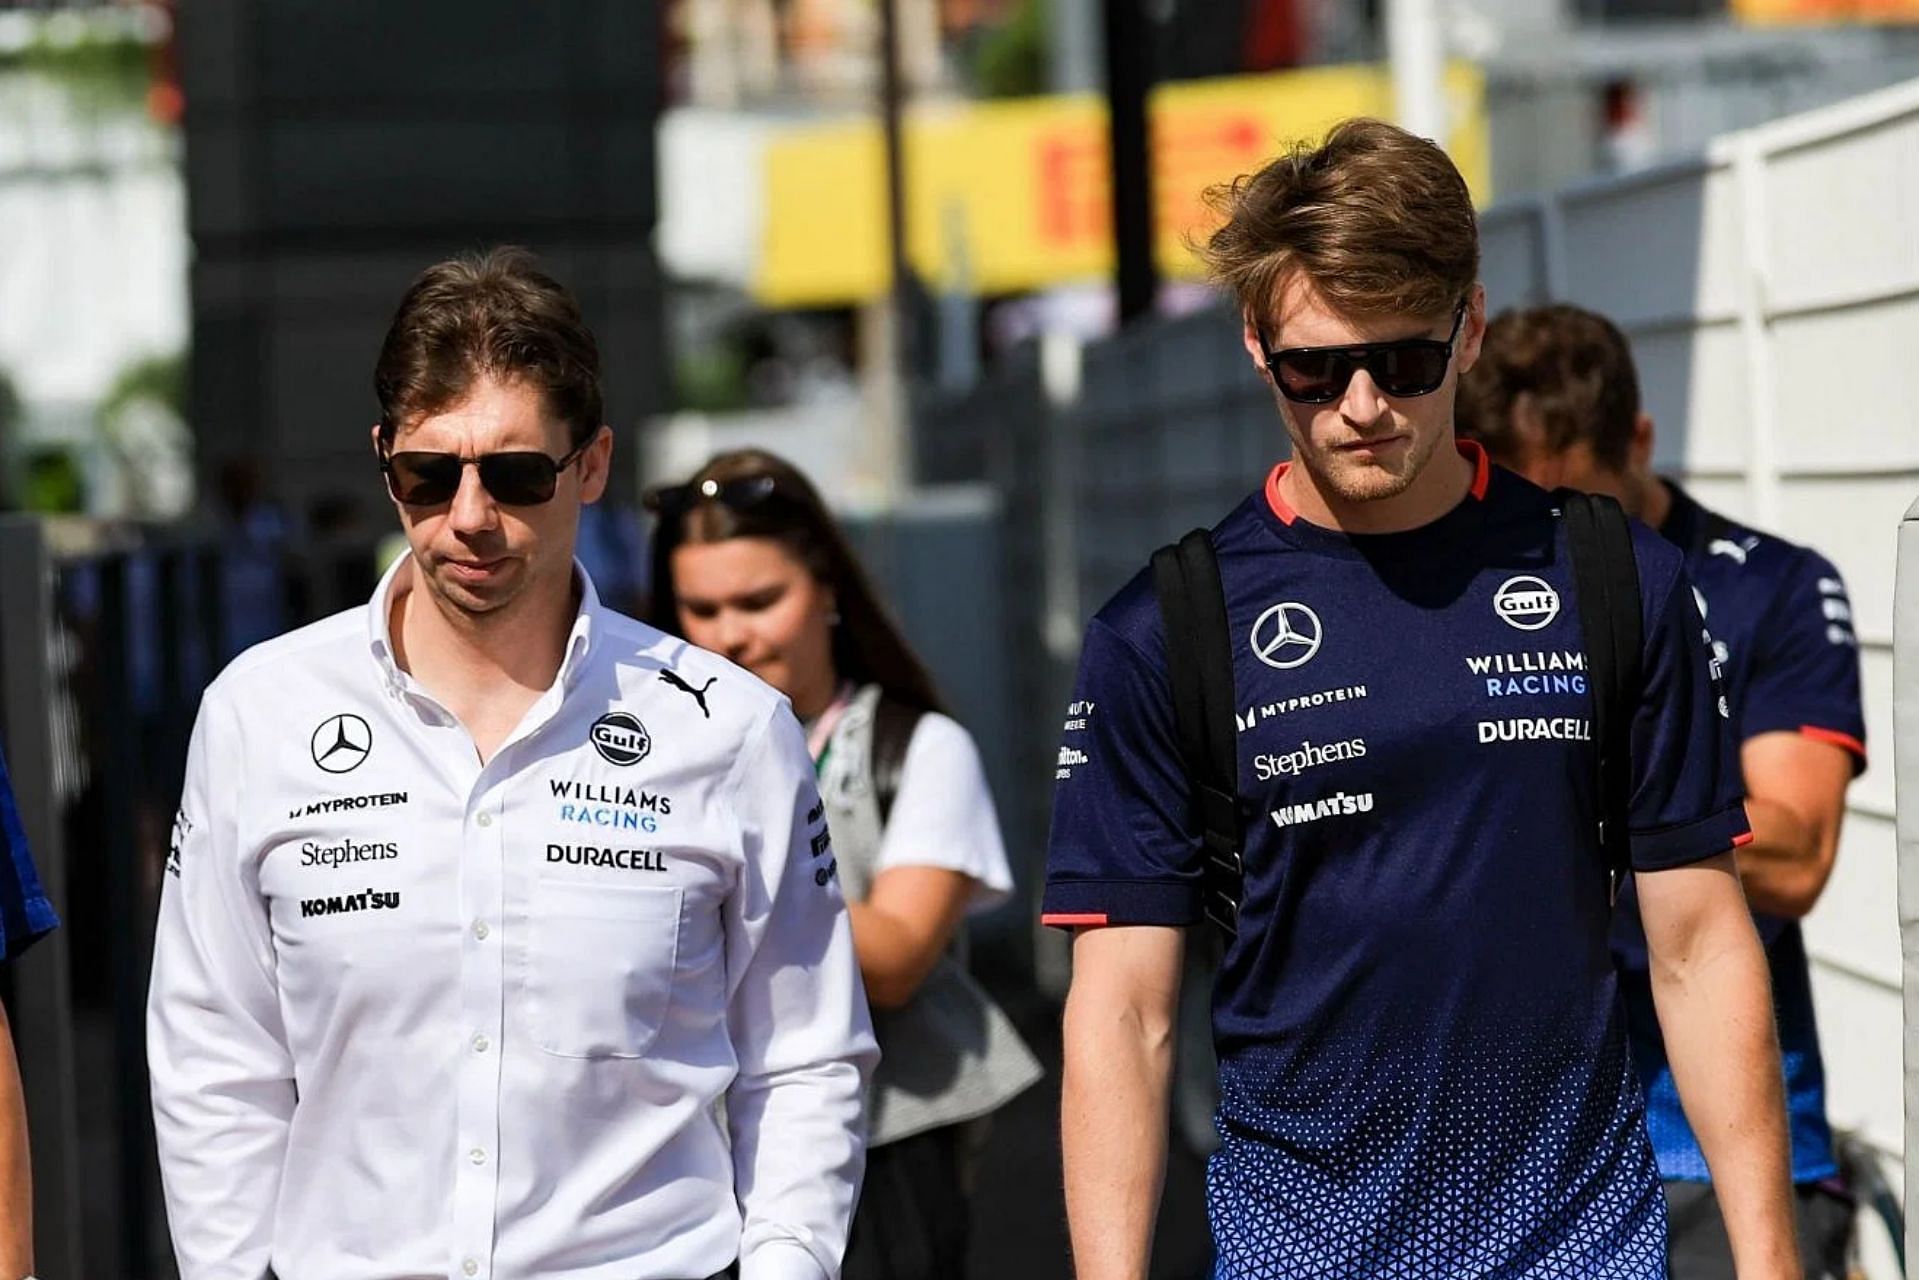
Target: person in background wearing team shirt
[
  {"x": 1556, "y": 398},
  {"x": 750, "y": 564},
  {"x": 498, "y": 940},
  {"x": 1424, "y": 1067},
  {"x": 25, "y": 917}
]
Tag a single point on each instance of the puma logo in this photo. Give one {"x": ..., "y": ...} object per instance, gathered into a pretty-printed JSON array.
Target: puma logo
[
  {"x": 1733, "y": 550},
  {"x": 698, "y": 695}
]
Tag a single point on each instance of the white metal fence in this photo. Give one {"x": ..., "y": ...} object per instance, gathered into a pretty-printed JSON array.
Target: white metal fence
[{"x": 1771, "y": 292}]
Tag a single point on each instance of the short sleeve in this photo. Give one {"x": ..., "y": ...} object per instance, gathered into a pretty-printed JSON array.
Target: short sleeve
[
  {"x": 25, "y": 914},
  {"x": 1687, "y": 800},
  {"x": 1123, "y": 849},
  {"x": 1805, "y": 663},
  {"x": 943, "y": 814}
]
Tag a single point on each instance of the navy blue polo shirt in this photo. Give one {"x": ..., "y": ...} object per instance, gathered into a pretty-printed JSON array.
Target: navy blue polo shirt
[
  {"x": 1782, "y": 627},
  {"x": 25, "y": 914},
  {"x": 1423, "y": 1063}
]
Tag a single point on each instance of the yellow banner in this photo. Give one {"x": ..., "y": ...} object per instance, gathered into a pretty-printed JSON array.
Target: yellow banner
[
  {"x": 1008, "y": 196},
  {"x": 1832, "y": 11}
]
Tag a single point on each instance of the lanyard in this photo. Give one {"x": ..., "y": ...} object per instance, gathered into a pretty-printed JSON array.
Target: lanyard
[{"x": 819, "y": 734}]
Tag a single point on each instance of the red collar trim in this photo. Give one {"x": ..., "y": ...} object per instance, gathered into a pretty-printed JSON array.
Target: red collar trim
[
  {"x": 1281, "y": 508},
  {"x": 1471, "y": 450},
  {"x": 1475, "y": 453}
]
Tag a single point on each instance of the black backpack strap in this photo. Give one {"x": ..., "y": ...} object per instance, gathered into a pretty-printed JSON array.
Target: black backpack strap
[
  {"x": 1199, "y": 665},
  {"x": 893, "y": 725},
  {"x": 1606, "y": 583}
]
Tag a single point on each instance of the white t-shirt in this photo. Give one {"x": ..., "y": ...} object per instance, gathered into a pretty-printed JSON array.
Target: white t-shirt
[{"x": 943, "y": 815}]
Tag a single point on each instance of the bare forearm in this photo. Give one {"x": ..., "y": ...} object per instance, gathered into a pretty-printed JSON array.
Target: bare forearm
[
  {"x": 16, "y": 1173},
  {"x": 1781, "y": 870},
  {"x": 1715, "y": 1011},
  {"x": 894, "y": 957},
  {"x": 903, "y": 926},
  {"x": 1113, "y": 1138},
  {"x": 884, "y": 948}
]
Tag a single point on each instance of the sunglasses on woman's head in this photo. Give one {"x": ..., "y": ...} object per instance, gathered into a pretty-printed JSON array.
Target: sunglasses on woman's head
[
  {"x": 742, "y": 494},
  {"x": 1409, "y": 367},
  {"x": 516, "y": 478}
]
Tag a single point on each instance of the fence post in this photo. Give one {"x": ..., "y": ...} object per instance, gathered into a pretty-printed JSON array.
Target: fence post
[
  {"x": 1905, "y": 727},
  {"x": 42, "y": 1010}
]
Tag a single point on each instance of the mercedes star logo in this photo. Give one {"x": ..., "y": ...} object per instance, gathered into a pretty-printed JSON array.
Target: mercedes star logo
[
  {"x": 1286, "y": 636},
  {"x": 341, "y": 743}
]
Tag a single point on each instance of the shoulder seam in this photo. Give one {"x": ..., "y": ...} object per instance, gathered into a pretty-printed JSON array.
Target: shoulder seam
[{"x": 1139, "y": 655}]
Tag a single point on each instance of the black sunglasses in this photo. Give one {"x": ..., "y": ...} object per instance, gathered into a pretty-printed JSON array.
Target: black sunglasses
[
  {"x": 1409, "y": 367},
  {"x": 517, "y": 478},
  {"x": 742, "y": 494}
]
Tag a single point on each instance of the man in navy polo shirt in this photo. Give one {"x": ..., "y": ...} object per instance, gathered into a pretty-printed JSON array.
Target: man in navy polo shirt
[
  {"x": 1423, "y": 1063},
  {"x": 25, "y": 917},
  {"x": 1555, "y": 397}
]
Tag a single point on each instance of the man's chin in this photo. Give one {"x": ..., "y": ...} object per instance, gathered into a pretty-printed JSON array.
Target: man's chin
[
  {"x": 1352, "y": 480},
  {"x": 476, "y": 598}
]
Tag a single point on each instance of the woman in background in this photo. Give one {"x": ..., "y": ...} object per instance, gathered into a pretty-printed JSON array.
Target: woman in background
[{"x": 748, "y": 563}]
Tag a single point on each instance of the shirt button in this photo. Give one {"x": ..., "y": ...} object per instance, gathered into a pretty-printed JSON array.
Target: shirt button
[
  {"x": 471, "y": 1267},
  {"x": 486, "y": 819},
  {"x": 480, "y": 1043},
  {"x": 477, "y": 1155},
  {"x": 479, "y": 929}
]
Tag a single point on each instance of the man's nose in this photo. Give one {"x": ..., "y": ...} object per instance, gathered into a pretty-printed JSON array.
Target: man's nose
[
  {"x": 1364, "y": 403},
  {"x": 472, "y": 509}
]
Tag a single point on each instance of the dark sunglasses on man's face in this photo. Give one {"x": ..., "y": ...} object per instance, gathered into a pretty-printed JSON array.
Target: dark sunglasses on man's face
[
  {"x": 1409, "y": 367},
  {"x": 518, "y": 478},
  {"x": 742, "y": 494}
]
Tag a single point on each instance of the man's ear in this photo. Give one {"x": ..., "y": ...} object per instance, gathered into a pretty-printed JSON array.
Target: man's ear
[
  {"x": 1639, "y": 452},
  {"x": 1472, "y": 330},
  {"x": 1254, "y": 343},
  {"x": 596, "y": 465}
]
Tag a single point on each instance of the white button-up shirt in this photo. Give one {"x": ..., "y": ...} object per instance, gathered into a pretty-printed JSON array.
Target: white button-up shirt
[{"x": 589, "y": 1010}]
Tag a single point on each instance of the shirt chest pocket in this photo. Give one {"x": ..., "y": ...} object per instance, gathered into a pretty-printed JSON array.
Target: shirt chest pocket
[{"x": 599, "y": 965}]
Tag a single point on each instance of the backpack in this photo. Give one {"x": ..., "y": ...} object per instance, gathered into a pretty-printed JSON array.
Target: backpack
[{"x": 1199, "y": 662}]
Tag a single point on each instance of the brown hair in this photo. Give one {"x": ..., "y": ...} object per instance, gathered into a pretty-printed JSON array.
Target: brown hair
[
  {"x": 1379, "y": 220},
  {"x": 496, "y": 314},
  {"x": 1575, "y": 369},
  {"x": 867, "y": 645}
]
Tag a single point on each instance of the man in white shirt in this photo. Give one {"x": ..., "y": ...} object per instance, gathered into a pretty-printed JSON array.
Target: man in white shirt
[{"x": 476, "y": 918}]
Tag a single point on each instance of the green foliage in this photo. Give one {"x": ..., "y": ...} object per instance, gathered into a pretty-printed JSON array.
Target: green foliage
[
  {"x": 54, "y": 482},
  {"x": 10, "y": 408},
  {"x": 711, "y": 379},
  {"x": 159, "y": 378},
  {"x": 105, "y": 71},
  {"x": 1011, "y": 60}
]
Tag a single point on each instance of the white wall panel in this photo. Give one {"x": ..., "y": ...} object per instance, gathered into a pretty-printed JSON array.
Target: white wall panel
[
  {"x": 1635, "y": 249},
  {"x": 1853, "y": 522},
  {"x": 1859, "y": 1037},
  {"x": 1729, "y": 496},
  {"x": 1815, "y": 256},
  {"x": 1510, "y": 257},
  {"x": 1694, "y": 382},
  {"x": 1847, "y": 387},
  {"x": 1873, "y": 788},
  {"x": 1856, "y": 924}
]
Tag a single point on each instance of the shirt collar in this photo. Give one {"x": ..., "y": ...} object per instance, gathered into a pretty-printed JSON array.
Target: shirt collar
[
  {"x": 579, "y": 641},
  {"x": 1471, "y": 450},
  {"x": 1681, "y": 526}
]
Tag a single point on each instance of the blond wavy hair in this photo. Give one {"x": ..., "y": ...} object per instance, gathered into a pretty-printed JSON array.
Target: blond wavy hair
[{"x": 1380, "y": 221}]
